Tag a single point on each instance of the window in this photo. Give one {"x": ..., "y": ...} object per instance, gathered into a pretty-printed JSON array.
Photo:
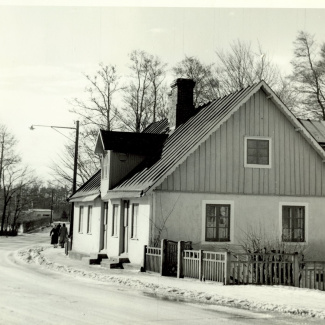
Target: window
[
  {"x": 115, "y": 218},
  {"x": 105, "y": 166},
  {"x": 258, "y": 152},
  {"x": 293, "y": 223},
  {"x": 134, "y": 224},
  {"x": 81, "y": 215},
  {"x": 90, "y": 212},
  {"x": 217, "y": 226}
]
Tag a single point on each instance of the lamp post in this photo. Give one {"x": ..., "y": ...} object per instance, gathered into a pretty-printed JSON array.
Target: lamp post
[{"x": 74, "y": 180}]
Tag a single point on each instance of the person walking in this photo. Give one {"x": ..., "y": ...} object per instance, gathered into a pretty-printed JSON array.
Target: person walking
[
  {"x": 63, "y": 235},
  {"x": 54, "y": 236}
]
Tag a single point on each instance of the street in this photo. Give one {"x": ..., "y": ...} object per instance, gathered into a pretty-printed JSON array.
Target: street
[{"x": 34, "y": 295}]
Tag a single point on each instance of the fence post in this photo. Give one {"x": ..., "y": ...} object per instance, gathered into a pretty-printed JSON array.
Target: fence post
[
  {"x": 180, "y": 249},
  {"x": 163, "y": 257},
  {"x": 201, "y": 265},
  {"x": 296, "y": 269},
  {"x": 144, "y": 264},
  {"x": 227, "y": 268}
]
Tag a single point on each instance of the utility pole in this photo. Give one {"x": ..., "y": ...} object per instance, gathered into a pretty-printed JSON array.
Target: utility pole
[{"x": 51, "y": 220}]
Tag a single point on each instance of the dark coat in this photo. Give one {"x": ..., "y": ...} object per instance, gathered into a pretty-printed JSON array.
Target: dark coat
[
  {"x": 54, "y": 236},
  {"x": 63, "y": 234}
]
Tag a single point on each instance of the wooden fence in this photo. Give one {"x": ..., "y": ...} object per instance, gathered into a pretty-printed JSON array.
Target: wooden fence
[
  {"x": 270, "y": 268},
  {"x": 152, "y": 259},
  {"x": 223, "y": 267},
  {"x": 205, "y": 265},
  {"x": 312, "y": 275}
]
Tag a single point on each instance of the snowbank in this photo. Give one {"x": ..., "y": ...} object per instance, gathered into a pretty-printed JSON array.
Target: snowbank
[{"x": 296, "y": 301}]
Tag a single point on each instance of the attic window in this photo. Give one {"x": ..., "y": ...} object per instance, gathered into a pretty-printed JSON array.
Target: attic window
[
  {"x": 122, "y": 156},
  {"x": 257, "y": 152}
]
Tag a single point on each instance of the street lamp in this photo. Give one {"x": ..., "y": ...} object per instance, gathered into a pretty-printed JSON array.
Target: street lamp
[{"x": 74, "y": 181}]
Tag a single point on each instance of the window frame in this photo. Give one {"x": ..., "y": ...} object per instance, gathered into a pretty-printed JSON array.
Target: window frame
[
  {"x": 306, "y": 214},
  {"x": 231, "y": 221},
  {"x": 247, "y": 165},
  {"x": 115, "y": 212},
  {"x": 134, "y": 221},
  {"x": 81, "y": 215},
  {"x": 89, "y": 218}
]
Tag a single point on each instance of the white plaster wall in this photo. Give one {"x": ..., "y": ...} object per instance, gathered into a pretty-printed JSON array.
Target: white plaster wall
[
  {"x": 83, "y": 242},
  {"x": 135, "y": 245},
  {"x": 113, "y": 241},
  {"x": 183, "y": 214}
]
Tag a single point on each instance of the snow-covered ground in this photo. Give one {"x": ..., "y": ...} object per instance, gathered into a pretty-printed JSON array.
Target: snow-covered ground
[{"x": 296, "y": 301}]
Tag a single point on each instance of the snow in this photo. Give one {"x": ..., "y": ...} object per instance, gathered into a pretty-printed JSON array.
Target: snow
[{"x": 290, "y": 300}]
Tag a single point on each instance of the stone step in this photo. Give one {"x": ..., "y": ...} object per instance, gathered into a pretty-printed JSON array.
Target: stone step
[
  {"x": 94, "y": 258},
  {"x": 115, "y": 262},
  {"x": 109, "y": 264}
]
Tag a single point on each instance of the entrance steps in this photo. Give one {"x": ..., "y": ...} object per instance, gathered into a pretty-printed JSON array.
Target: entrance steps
[
  {"x": 114, "y": 262},
  {"x": 94, "y": 258}
]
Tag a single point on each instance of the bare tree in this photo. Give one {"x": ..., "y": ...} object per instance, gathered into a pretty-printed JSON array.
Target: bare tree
[
  {"x": 143, "y": 97},
  {"x": 207, "y": 85},
  {"x": 243, "y": 66},
  {"x": 308, "y": 76},
  {"x": 97, "y": 110}
]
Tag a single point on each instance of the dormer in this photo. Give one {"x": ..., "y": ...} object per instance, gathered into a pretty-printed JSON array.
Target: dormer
[{"x": 122, "y": 152}]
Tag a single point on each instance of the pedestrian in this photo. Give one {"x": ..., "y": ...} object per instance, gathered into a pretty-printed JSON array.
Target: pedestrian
[
  {"x": 59, "y": 227},
  {"x": 63, "y": 235},
  {"x": 54, "y": 236}
]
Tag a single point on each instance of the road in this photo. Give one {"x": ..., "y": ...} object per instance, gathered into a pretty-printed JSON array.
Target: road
[{"x": 33, "y": 295}]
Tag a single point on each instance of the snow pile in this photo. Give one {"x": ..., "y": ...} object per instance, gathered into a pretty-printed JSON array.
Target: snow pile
[{"x": 264, "y": 298}]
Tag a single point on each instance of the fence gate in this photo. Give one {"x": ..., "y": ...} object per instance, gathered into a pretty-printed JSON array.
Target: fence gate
[{"x": 171, "y": 258}]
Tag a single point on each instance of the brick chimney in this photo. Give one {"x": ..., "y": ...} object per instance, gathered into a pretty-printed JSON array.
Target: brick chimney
[{"x": 181, "y": 106}]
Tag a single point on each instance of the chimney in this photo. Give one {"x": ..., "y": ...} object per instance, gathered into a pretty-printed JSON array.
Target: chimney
[{"x": 181, "y": 106}]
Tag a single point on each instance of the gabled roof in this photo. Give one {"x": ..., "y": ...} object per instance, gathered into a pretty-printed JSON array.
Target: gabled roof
[
  {"x": 89, "y": 190},
  {"x": 188, "y": 137},
  {"x": 316, "y": 129},
  {"x": 145, "y": 144}
]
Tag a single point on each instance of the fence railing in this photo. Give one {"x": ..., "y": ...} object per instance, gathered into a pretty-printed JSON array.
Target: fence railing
[
  {"x": 223, "y": 267},
  {"x": 152, "y": 259},
  {"x": 270, "y": 268},
  {"x": 312, "y": 275},
  {"x": 204, "y": 265}
]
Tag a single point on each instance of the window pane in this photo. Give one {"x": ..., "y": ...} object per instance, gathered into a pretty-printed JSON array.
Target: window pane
[
  {"x": 257, "y": 152},
  {"x": 90, "y": 211},
  {"x": 293, "y": 223},
  {"x": 81, "y": 212},
  {"x": 134, "y": 227},
  {"x": 217, "y": 222}
]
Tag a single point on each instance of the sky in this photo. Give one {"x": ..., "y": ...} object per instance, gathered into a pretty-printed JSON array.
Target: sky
[{"x": 47, "y": 47}]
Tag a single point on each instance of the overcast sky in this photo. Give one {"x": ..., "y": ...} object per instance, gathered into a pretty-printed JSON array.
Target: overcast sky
[{"x": 44, "y": 51}]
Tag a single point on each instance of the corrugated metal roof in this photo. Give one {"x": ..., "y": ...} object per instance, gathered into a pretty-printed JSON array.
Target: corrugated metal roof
[
  {"x": 316, "y": 129},
  {"x": 182, "y": 140},
  {"x": 157, "y": 127},
  {"x": 92, "y": 186}
]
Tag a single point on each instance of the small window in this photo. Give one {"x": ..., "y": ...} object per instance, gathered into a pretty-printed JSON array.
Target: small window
[
  {"x": 90, "y": 212},
  {"x": 217, "y": 223},
  {"x": 115, "y": 219},
  {"x": 105, "y": 166},
  {"x": 81, "y": 214},
  {"x": 258, "y": 152},
  {"x": 134, "y": 225},
  {"x": 293, "y": 223}
]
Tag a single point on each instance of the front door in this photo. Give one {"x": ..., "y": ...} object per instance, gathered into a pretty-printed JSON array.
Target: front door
[
  {"x": 105, "y": 219},
  {"x": 125, "y": 236}
]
